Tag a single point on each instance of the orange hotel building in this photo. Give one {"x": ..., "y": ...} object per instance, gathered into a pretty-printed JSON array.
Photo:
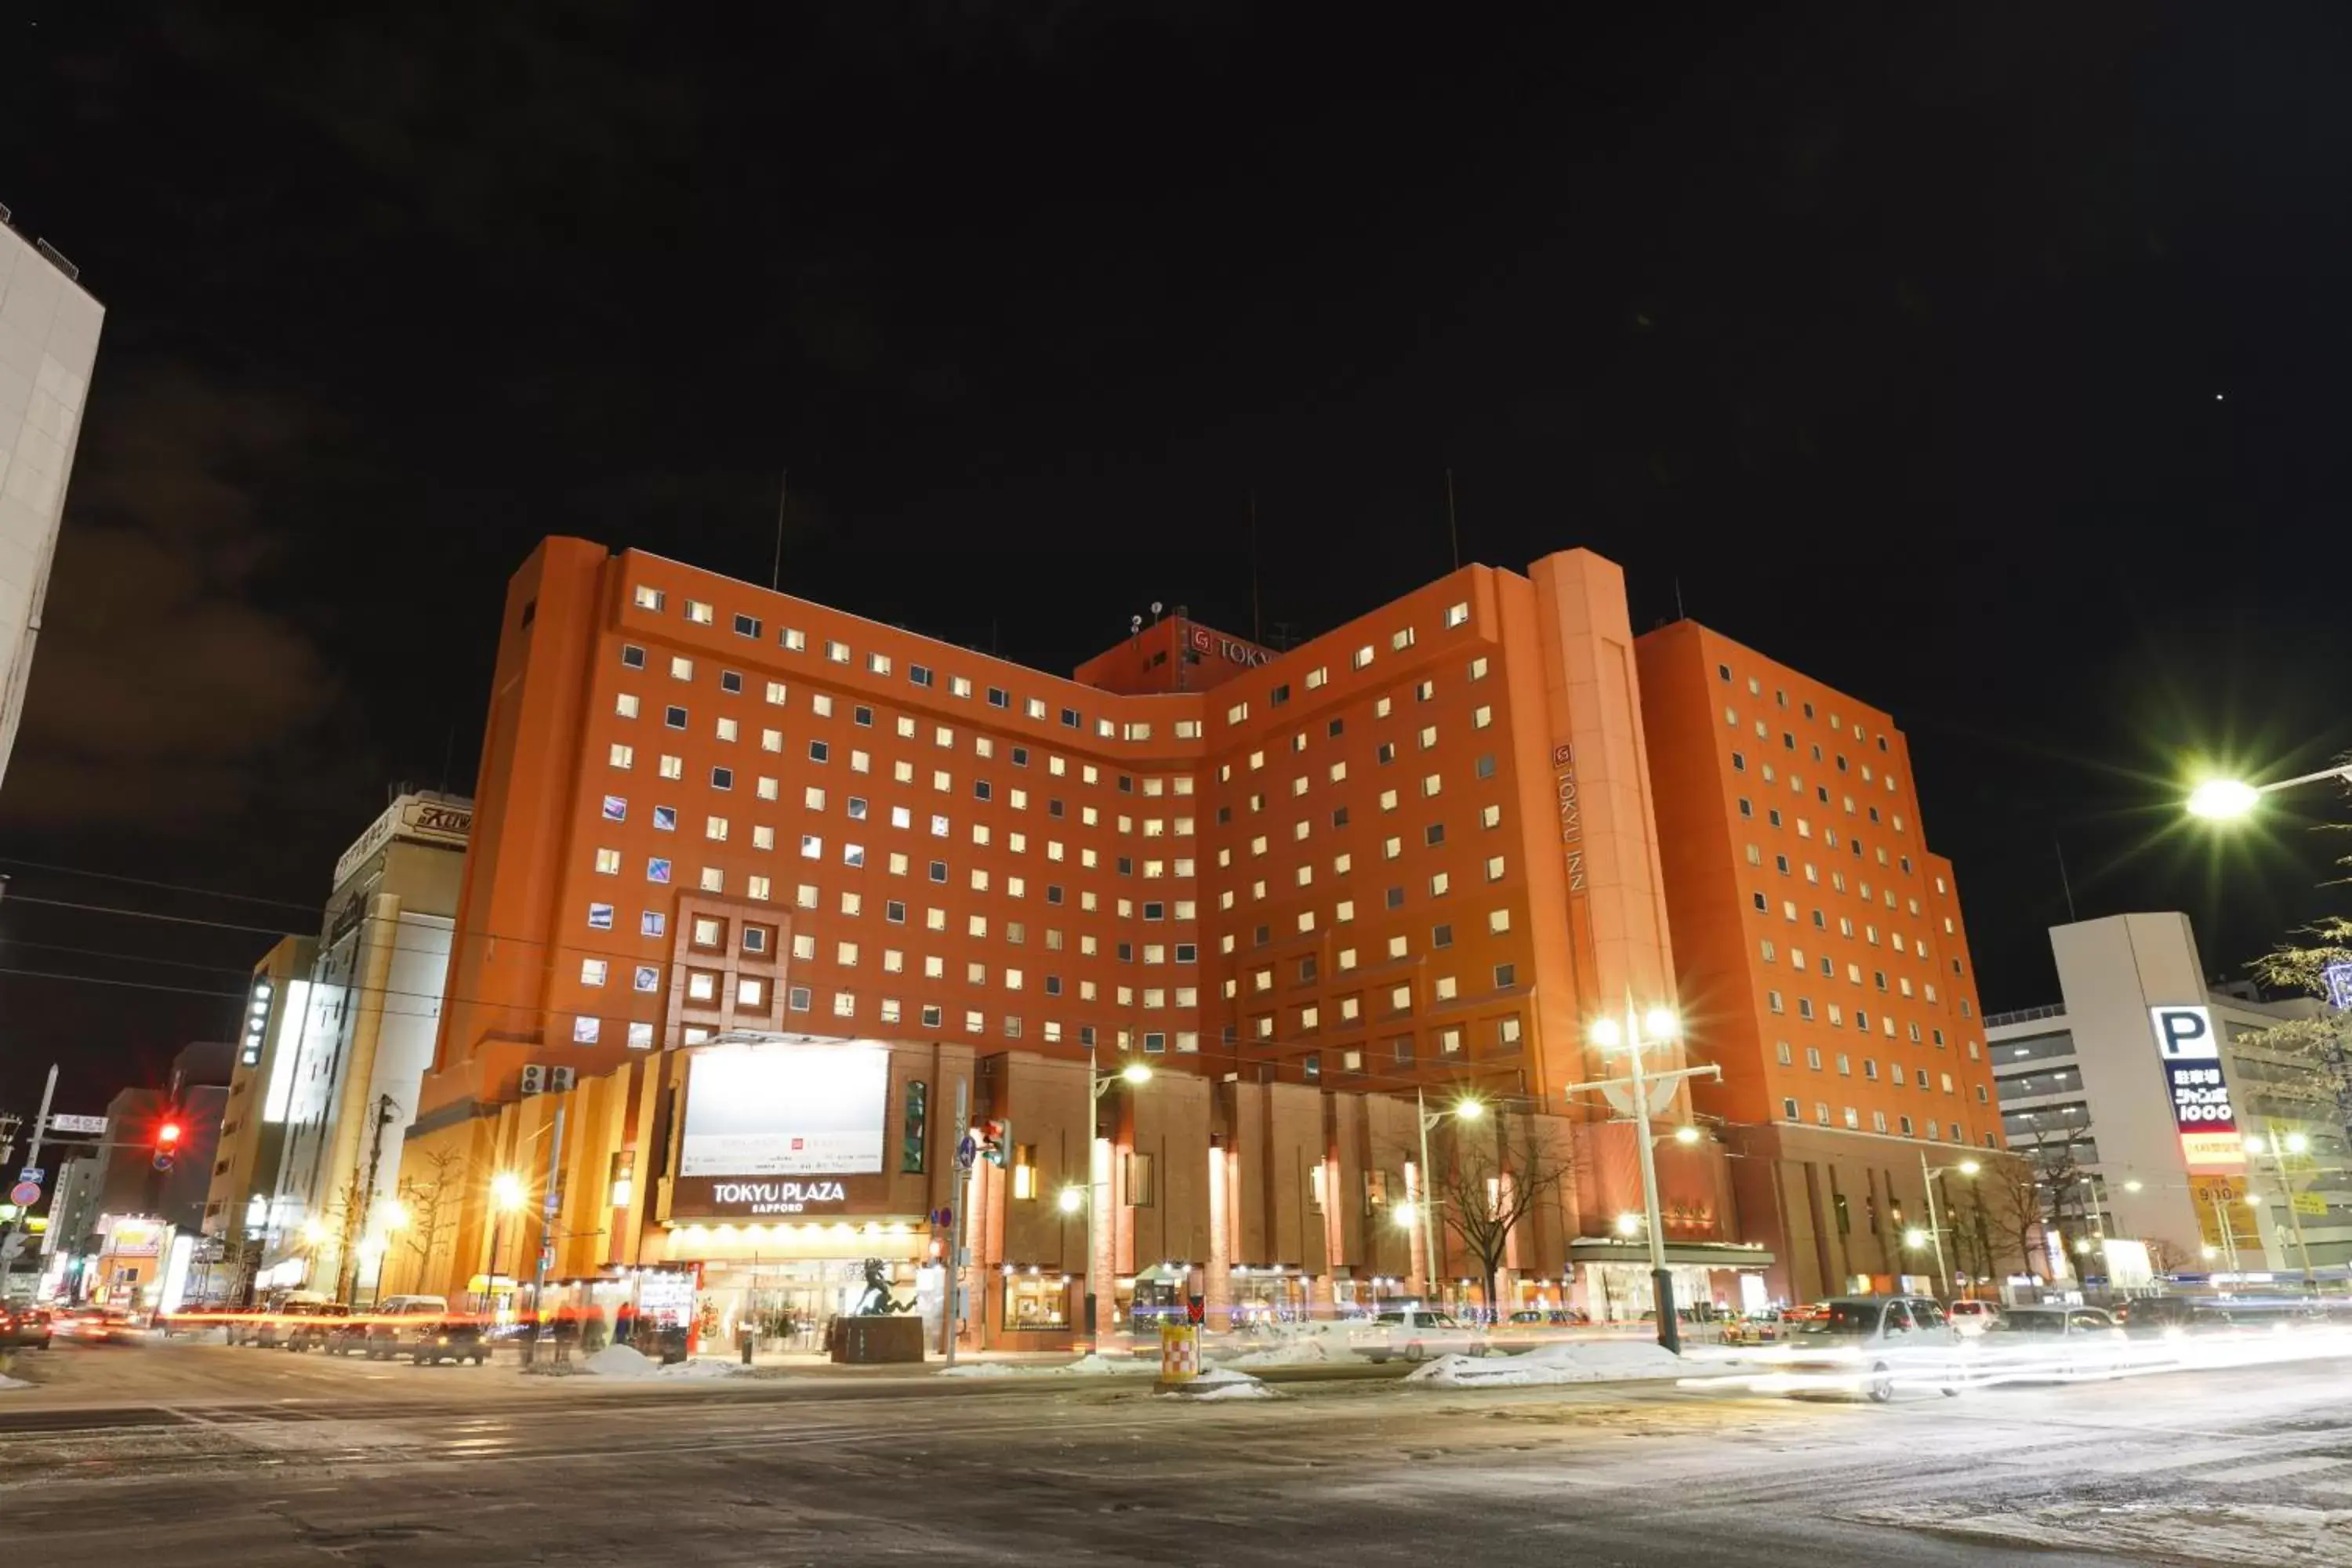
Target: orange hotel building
[{"x": 1423, "y": 851}]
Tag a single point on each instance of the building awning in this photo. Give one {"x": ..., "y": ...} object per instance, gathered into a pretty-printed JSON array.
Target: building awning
[{"x": 1681, "y": 1254}]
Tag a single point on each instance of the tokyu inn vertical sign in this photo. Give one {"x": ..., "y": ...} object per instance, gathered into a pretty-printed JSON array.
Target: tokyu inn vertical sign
[{"x": 2201, "y": 1112}]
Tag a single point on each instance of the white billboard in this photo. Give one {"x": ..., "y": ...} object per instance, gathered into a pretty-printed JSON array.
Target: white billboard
[{"x": 785, "y": 1110}]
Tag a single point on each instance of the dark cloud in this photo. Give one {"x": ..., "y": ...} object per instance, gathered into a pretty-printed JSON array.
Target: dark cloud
[{"x": 162, "y": 689}]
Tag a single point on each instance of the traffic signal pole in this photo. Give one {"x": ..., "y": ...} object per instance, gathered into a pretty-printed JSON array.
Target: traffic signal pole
[{"x": 8, "y": 1238}]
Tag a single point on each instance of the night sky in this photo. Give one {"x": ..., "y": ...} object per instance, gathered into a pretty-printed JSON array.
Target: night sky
[{"x": 1993, "y": 369}]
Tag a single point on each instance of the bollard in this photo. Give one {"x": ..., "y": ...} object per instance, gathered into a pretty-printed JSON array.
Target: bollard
[{"x": 750, "y": 1340}]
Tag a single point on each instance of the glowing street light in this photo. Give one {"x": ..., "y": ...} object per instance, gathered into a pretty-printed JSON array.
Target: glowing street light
[
  {"x": 1629, "y": 1224},
  {"x": 1914, "y": 1238},
  {"x": 2297, "y": 1143},
  {"x": 508, "y": 1191},
  {"x": 2233, "y": 800},
  {"x": 1686, "y": 1134},
  {"x": 1407, "y": 1214},
  {"x": 1136, "y": 1072},
  {"x": 1070, "y": 1200}
]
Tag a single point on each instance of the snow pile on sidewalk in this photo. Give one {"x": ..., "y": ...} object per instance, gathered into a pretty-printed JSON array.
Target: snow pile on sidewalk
[
  {"x": 8, "y": 1382},
  {"x": 620, "y": 1361},
  {"x": 1301, "y": 1350},
  {"x": 1605, "y": 1360},
  {"x": 1095, "y": 1365},
  {"x": 1222, "y": 1382},
  {"x": 698, "y": 1367}
]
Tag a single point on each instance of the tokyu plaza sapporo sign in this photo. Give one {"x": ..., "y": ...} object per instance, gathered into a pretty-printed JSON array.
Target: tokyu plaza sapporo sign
[{"x": 2201, "y": 1112}]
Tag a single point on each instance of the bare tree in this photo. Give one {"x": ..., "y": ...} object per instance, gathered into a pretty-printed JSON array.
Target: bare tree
[
  {"x": 1492, "y": 1173},
  {"x": 429, "y": 1196},
  {"x": 2164, "y": 1256},
  {"x": 2320, "y": 1047}
]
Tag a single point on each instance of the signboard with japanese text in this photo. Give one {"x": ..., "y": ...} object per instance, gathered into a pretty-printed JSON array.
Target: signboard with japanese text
[{"x": 2190, "y": 1051}]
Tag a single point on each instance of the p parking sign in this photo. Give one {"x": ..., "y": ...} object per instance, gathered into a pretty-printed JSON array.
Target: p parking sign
[{"x": 2201, "y": 1114}]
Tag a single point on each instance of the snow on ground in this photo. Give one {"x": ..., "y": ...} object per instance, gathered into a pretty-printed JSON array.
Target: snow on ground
[
  {"x": 621, "y": 1361},
  {"x": 1089, "y": 1365},
  {"x": 1301, "y": 1350},
  {"x": 8, "y": 1382},
  {"x": 1604, "y": 1361},
  {"x": 702, "y": 1367},
  {"x": 1223, "y": 1382}
]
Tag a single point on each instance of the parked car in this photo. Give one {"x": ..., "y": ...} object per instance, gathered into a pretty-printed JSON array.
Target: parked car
[
  {"x": 1972, "y": 1317},
  {"x": 277, "y": 1327},
  {"x": 24, "y": 1327},
  {"x": 1871, "y": 1345},
  {"x": 450, "y": 1338},
  {"x": 1415, "y": 1333},
  {"x": 1758, "y": 1328},
  {"x": 2156, "y": 1316},
  {"x": 397, "y": 1322},
  {"x": 312, "y": 1331},
  {"x": 2054, "y": 1341}
]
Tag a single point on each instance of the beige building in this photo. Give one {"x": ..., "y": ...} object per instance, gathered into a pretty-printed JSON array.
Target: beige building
[
  {"x": 359, "y": 1043},
  {"x": 253, "y": 1125}
]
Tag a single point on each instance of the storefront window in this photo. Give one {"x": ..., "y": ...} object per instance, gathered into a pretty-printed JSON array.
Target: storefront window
[{"x": 1036, "y": 1302}]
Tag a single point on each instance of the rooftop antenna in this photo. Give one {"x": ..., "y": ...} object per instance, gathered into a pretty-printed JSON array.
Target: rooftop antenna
[
  {"x": 1453, "y": 530},
  {"x": 1255, "y": 635},
  {"x": 2063, "y": 880},
  {"x": 784, "y": 489},
  {"x": 1678, "y": 600}
]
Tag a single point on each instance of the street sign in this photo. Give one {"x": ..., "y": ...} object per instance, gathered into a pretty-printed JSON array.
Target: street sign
[
  {"x": 2339, "y": 985},
  {"x": 967, "y": 1152},
  {"x": 60, "y": 1123},
  {"x": 24, "y": 1194},
  {"x": 32, "y": 1173},
  {"x": 2311, "y": 1205}
]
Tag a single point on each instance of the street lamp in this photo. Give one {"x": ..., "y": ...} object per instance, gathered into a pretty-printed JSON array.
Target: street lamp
[
  {"x": 1914, "y": 1238},
  {"x": 1071, "y": 1199},
  {"x": 508, "y": 1194},
  {"x": 1099, "y": 1084},
  {"x": 1466, "y": 1109},
  {"x": 2232, "y": 800},
  {"x": 1934, "y": 1233},
  {"x": 1637, "y": 1033}
]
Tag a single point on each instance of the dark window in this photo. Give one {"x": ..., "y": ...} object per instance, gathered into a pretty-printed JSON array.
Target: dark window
[
  {"x": 722, "y": 778},
  {"x": 895, "y": 912},
  {"x": 998, "y": 698},
  {"x": 632, "y": 656},
  {"x": 674, "y": 717},
  {"x": 749, "y": 627},
  {"x": 1506, "y": 976},
  {"x": 1020, "y": 756},
  {"x": 1070, "y": 719},
  {"x": 919, "y": 674},
  {"x": 1337, "y": 728},
  {"x": 940, "y": 872},
  {"x": 862, "y": 717},
  {"x": 1486, "y": 767},
  {"x": 1441, "y": 936},
  {"x": 1052, "y": 893},
  {"x": 1280, "y": 695},
  {"x": 981, "y": 791},
  {"x": 1188, "y": 953},
  {"x": 730, "y": 680},
  {"x": 1224, "y": 814},
  {"x": 1312, "y": 1065},
  {"x": 1053, "y": 986},
  {"x": 1127, "y": 952},
  {"x": 1126, "y": 866},
  {"x": 1396, "y": 898},
  {"x": 1085, "y": 1034},
  {"x": 1126, "y": 783},
  {"x": 819, "y": 751},
  {"x": 1307, "y": 968},
  {"x": 1262, "y": 935},
  {"x": 1434, "y": 834},
  {"x": 1340, "y": 817},
  {"x": 1155, "y": 911},
  {"x": 1054, "y": 808}
]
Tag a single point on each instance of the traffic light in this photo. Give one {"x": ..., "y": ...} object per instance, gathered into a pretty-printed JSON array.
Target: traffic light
[
  {"x": 996, "y": 1143},
  {"x": 167, "y": 1144}
]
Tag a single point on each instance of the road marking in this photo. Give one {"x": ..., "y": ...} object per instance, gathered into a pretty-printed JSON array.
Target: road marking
[{"x": 2276, "y": 1469}]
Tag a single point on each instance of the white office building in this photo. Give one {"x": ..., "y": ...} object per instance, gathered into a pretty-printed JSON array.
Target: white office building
[
  {"x": 2183, "y": 1133},
  {"x": 48, "y": 342}
]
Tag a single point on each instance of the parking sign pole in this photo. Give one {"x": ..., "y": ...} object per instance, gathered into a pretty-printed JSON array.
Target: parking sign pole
[{"x": 8, "y": 1242}]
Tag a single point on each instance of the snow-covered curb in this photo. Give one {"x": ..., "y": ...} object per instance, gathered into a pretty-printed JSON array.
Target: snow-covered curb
[
  {"x": 1222, "y": 1382},
  {"x": 1094, "y": 1366},
  {"x": 1602, "y": 1362},
  {"x": 1301, "y": 1350}
]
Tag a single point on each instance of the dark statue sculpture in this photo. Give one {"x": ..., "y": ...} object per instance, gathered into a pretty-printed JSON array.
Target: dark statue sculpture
[{"x": 877, "y": 1302}]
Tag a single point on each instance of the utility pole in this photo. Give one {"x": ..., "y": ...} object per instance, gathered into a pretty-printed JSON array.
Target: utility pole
[
  {"x": 10, "y": 1238},
  {"x": 1934, "y": 1230},
  {"x": 1606, "y": 1035},
  {"x": 549, "y": 1206}
]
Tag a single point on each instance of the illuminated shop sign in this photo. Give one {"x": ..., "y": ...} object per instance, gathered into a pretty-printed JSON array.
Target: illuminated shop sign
[
  {"x": 785, "y": 1110},
  {"x": 2201, "y": 1111},
  {"x": 777, "y": 1197}
]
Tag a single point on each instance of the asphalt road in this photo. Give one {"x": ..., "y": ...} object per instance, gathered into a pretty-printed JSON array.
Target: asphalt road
[{"x": 231, "y": 1456}]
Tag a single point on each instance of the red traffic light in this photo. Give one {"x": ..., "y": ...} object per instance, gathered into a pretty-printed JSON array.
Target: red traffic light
[{"x": 167, "y": 1136}]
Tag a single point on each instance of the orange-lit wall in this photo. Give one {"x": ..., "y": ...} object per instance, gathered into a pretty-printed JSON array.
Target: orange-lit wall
[{"x": 1860, "y": 890}]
